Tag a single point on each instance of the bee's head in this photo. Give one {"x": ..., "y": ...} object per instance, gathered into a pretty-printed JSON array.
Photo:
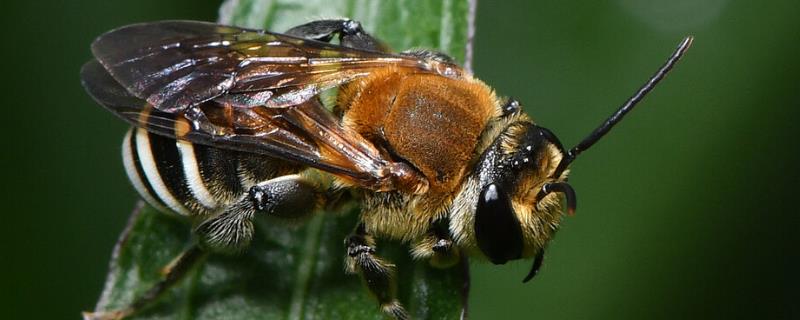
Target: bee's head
[{"x": 510, "y": 205}]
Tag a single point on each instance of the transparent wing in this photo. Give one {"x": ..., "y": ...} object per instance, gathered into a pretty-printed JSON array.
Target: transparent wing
[
  {"x": 177, "y": 64},
  {"x": 306, "y": 133},
  {"x": 247, "y": 90}
]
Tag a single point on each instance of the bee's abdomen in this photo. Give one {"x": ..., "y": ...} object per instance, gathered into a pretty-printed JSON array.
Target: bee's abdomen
[
  {"x": 165, "y": 173},
  {"x": 192, "y": 179},
  {"x": 187, "y": 178}
]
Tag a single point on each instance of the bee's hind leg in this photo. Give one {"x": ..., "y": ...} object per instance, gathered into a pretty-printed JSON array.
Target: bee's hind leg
[
  {"x": 350, "y": 32},
  {"x": 377, "y": 273},
  {"x": 289, "y": 198},
  {"x": 171, "y": 274}
]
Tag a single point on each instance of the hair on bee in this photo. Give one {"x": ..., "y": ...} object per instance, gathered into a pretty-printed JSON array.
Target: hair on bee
[{"x": 229, "y": 126}]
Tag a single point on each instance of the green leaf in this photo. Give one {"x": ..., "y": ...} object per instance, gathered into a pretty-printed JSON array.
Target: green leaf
[
  {"x": 433, "y": 24},
  {"x": 293, "y": 272}
]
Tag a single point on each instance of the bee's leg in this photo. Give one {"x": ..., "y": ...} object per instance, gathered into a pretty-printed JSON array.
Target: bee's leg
[
  {"x": 437, "y": 245},
  {"x": 290, "y": 197},
  {"x": 350, "y": 32},
  {"x": 378, "y": 274},
  {"x": 171, "y": 274},
  {"x": 426, "y": 54}
]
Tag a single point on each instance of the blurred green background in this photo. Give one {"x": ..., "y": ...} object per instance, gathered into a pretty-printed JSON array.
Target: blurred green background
[{"x": 686, "y": 209}]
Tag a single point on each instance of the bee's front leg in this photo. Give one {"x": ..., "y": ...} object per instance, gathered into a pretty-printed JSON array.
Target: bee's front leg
[
  {"x": 350, "y": 32},
  {"x": 437, "y": 245},
  {"x": 378, "y": 274}
]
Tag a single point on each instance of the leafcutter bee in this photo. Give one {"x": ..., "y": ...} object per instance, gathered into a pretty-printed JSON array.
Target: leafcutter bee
[{"x": 228, "y": 126}]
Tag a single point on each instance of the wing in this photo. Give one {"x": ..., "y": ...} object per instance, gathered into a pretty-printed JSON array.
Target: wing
[
  {"x": 247, "y": 90},
  {"x": 306, "y": 133},
  {"x": 174, "y": 65}
]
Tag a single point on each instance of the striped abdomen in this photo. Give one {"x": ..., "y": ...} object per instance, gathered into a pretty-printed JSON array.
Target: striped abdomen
[{"x": 192, "y": 179}]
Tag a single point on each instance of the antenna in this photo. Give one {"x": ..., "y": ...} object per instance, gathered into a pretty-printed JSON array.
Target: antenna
[{"x": 606, "y": 126}]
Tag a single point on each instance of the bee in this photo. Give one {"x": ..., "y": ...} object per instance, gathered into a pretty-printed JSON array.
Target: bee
[{"x": 231, "y": 125}]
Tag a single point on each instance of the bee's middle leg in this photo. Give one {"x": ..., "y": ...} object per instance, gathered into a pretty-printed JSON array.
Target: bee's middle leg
[{"x": 378, "y": 274}]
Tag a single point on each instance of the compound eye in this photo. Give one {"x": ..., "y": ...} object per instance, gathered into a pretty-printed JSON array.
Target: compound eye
[{"x": 497, "y": 229}]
